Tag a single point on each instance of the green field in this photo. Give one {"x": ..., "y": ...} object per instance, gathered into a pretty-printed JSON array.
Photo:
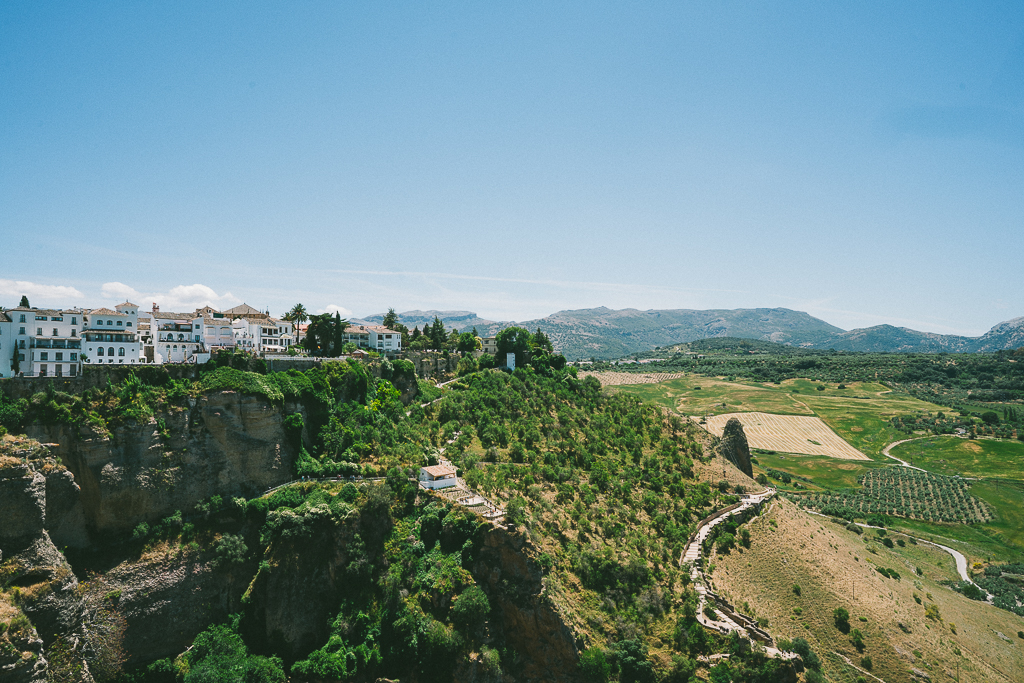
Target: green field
[
  {"x": 824, "y": 472},
  {"x": 859, "y": 413},
  {"x": 967, "y": 457}
]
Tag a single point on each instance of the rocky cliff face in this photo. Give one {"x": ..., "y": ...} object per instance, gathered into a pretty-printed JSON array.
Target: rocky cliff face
[
  {"x": 224, "y": 443},
  {"x": 526, "y": 619},
  {"x": 43, "y": 589}
]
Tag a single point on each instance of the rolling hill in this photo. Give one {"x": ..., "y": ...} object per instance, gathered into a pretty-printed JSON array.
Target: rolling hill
[{"x": 604, "y": 333}]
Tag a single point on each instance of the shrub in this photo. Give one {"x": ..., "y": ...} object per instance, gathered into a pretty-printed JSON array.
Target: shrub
[
  {"x": 858, "y": 639},
  {"x": 230, "y": 550},
  {"x": 594, "y": 666},
  {"x": 796, "y": 588},
  {"x": 803, "y": 648},
  {"x": 842, "y": 619},
  {"x": 866, "y": 663},
  {"x": 470, "y": 609}
]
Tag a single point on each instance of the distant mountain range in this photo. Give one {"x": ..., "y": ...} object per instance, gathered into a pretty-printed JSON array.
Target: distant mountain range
[{"x": 604, "y": 333}]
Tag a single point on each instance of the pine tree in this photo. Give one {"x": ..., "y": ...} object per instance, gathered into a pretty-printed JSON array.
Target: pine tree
[{"x": 24, "y": 302}]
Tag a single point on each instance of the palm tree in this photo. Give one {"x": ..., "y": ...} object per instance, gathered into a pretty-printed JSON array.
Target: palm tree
[{"x": 297, "y": 315}]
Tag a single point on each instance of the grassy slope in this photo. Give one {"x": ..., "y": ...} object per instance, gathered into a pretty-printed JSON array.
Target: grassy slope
[
  {"x": 820, "y": 557},
  {"x": 967, "y": 457}
]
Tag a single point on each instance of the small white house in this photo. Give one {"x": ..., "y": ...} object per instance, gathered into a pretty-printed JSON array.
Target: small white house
[{"x": 438, "y": 476}]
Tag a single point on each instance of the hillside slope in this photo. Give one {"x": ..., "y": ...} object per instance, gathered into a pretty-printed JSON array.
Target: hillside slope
[{"x": 834, "y": 568}]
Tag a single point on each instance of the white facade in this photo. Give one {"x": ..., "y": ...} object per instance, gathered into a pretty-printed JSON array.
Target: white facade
[
  {"x": 214, "y": 333},
  {"x": 438, "y": 477},
  {"x": 111, "y": 337},
  {"x": 48, "y": 342},
  {"x": 263, "y": 335},
  {"x": 8, "y": 346},
  {"x": 375, "y": 338},
  {"x": 175, "y": 336}
]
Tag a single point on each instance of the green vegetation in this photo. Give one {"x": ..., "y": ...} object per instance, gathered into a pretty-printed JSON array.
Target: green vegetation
[
  {"x": 904, "y": 492},
  {"x": 965, "y": 457}
]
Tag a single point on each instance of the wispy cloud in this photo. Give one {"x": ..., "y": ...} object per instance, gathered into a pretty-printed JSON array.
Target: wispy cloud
[
  {"x": 184, "y": 297},
  {"x": 38, "y": 293}
]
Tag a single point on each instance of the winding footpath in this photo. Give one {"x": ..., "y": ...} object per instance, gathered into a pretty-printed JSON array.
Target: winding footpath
[
  {"x": 887, "y": 449},
  {"x": 728, "y": 619}
]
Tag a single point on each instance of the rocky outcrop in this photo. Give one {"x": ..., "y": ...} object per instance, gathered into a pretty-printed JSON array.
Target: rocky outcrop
[
  {"x": 167, "y": 597},
  {"x": 223, "y": 443},
  {"x": 32, "y": 569},
  {"x": 523, "y": 615},
  {"x": 734, "y": 448}
]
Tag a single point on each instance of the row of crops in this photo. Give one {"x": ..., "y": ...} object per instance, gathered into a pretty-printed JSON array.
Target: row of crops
[{"x": 905, "y": 492}]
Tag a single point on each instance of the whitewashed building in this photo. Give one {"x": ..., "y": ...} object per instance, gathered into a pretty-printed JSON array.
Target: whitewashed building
[
  {"x": 375, "y": 338},
  {"x": 175, "y": 337},
  {"x": 111, "y": 337},
  {"x": 215, "y": 332},
  {"x": 43, "y": 342},
  {"x": 8, "y": 347},
  {"x": 263, "y": 335},
  {"x": 438, "y": 476}
]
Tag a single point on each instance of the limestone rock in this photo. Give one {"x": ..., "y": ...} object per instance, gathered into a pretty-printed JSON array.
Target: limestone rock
[{"x": 734, "y": 447}]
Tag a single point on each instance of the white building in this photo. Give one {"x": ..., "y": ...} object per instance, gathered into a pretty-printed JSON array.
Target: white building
[
  {"x": 175, "y": 336},
  {"x": 263, "y": 335},
  {"x": 438, "y": 477},
  {"x": 112, "y": 336},
  {"x": 214, "y": 332},
  {"x": 47, "y": 341},
  {"x": 375, "y": 338},
  {"x": 8, "y": 346}
]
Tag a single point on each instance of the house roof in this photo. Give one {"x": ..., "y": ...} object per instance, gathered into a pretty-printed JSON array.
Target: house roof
[
  {"x": 103, "y": 311},
  {"x": 439, "y": 470},
  {"x": 168, "y": 315},
  {"x": 4, "y": 318},
  {"x": 127, "y": 303},
  {"x": 243, "y": 309}
]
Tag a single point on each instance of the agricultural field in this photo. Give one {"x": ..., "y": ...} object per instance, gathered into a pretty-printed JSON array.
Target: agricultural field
[
  {"x": 859, "y": 413},
  {"x": 905, "y": 492},
  {"x": 967, "y": 457},
  {"x": 622, "y": 378},
  {"x": 803, "y": 434}
]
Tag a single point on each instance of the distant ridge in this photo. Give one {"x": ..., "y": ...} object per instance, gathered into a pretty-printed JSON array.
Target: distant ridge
[{"x": 604, "y": 333}]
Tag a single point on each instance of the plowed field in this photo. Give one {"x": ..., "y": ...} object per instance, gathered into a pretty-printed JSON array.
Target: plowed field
[{"x": 788, "y": 434}]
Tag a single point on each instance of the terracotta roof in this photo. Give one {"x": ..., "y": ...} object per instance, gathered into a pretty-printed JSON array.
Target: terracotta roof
[
  {"x": 103, "y": 311},
  {"x": 439, "y": 470},
  {"x": 127, "y": 303},
  {"x": 167, "y": 315},
  {"x": 217, "y": 321},
  {"x": 4, "y": 318},
  {"x": 243, "y": 309}
]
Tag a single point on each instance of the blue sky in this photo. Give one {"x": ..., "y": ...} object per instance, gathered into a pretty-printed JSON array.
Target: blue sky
[{"x": 860, "y": 161}]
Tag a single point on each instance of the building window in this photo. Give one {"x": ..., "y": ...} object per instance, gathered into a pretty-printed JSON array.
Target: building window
[
  {"x": 22, "y": 319},
  {"x": 39, "y": 332},
  {"x": 22, "y": 344},
  {"x": 44, "y": 356},
  {"x": 21, "y": 357},
  {"x": 57, "y": 318},
  {"x": 73, "y": 333},
  {"x": 128, "y": 324},
  {"x": 21, "y": 330},
  {"x": 58, "y": 356},
  {"x": 73, "y": 371},
  {"x": 74, "y": 357},
  {"x": 120, "y": 351},
  {"x": 110, "y": 322},
  {"x": 42, "y": 371},
  {"x": 74, "y": 320},
  {"x": 99, "y": 352},
  {"x": 110, "y": 351},
  {"x": 59, "y": 370},
  {"x": 54, "y": 332}
]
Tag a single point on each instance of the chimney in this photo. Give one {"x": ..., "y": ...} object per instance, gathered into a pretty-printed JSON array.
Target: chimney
[{"x": 156, "y": 309}]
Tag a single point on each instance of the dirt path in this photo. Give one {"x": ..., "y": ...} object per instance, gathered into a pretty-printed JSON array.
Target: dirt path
[{"x": 886, "y": 453}]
